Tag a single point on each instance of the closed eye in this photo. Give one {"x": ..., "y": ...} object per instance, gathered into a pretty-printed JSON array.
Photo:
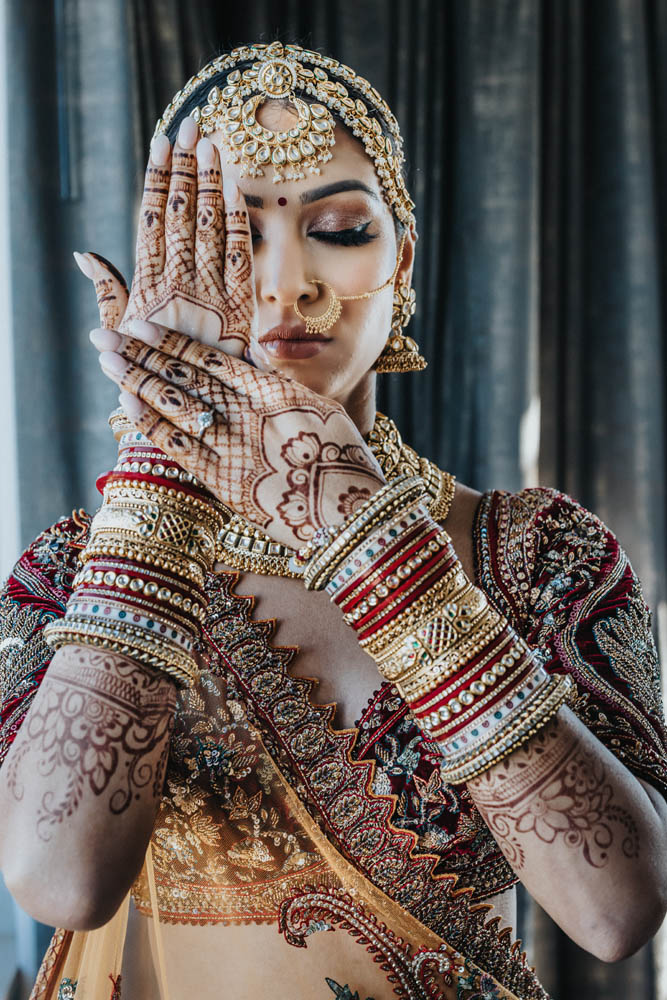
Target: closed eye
[{"x": 356, "y": 236}]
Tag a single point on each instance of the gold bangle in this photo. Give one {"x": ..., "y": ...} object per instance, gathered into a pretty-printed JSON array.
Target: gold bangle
[
  {"x": 505, "y": 743},
  {"x": 517, "y": 652},
  {"x": 149, "y": 555},
  {"x": 429, "y": 641},
  {"x": 372, "y": 579},
  {"x": 351, "y": 532},
  {"x": 176, "y": 664},
  {"x": 430, "y": 601},
  {"x": 167, "y": 524}
]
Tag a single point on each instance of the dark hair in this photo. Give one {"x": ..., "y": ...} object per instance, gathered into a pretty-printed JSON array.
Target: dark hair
[{"x": 198, "y": 98}]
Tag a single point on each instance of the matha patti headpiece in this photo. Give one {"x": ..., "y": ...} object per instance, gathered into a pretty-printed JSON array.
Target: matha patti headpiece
[{"x": 278, "y": 72}]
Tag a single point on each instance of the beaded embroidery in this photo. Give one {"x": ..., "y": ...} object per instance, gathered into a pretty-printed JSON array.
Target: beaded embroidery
[{"x": 551, "y": 567}]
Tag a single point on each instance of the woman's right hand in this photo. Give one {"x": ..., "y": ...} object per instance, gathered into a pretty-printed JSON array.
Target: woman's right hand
[{"x": 194, "y": 265}]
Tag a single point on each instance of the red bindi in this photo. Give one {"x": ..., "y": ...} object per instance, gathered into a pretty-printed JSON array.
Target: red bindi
[{"x": 282, "y": 201}]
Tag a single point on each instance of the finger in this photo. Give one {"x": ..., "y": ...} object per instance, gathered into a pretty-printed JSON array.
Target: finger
[
  {"x": 209, "y": 229},
  {"x": 239, "y": 272},
  {"x": 202, "y": 386},
  {"x": 168, "y": 399},
  {"x": 110, "y": 287},
  {"x": 181, "y": 207},
  {"x": 150, "y": 232},
  {"x": 227, "y": 369},
  {"x": 186, "y": 449}
]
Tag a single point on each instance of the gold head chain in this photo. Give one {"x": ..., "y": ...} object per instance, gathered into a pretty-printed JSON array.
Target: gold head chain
[{"x": 277, "y": 72}]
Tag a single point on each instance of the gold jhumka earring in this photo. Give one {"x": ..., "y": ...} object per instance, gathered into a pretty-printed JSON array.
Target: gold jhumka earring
[{"x": 401, "y": 353}]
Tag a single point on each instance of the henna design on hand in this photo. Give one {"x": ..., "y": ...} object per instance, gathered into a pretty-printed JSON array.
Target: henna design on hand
[
  {"x": 194, "y": 267},
  {"x": 557, "y": 790},
  {"x": 101, "y": 723},
  {"x": 288, "y": 483}
]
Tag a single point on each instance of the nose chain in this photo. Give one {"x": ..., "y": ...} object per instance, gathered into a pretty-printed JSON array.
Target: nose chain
[{"x": 324, "y": 322}]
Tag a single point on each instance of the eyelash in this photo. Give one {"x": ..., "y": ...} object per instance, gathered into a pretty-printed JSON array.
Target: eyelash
[{"x": 341, "y": 237}]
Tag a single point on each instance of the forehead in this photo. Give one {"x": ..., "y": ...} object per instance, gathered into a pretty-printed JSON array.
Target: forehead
[{"x": 349, "y": 161}]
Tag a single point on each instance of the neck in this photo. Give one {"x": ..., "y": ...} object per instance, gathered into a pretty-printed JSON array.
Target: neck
[{"x": 359, "y": 404}]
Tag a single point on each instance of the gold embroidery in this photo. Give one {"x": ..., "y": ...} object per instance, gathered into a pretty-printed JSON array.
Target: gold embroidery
[
  {"x": 225, "y": 847},
  {"x": 625, "y": 638}
]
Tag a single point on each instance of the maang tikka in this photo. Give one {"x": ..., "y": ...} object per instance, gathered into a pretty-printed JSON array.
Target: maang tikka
[{"x": 254, "y": 74}]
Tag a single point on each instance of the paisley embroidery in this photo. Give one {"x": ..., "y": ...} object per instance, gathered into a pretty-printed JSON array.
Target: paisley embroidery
[{"x": 415, "y": 975}]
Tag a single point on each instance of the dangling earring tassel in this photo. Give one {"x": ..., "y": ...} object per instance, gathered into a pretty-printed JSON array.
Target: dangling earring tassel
[{"x": 401, "y": 353}]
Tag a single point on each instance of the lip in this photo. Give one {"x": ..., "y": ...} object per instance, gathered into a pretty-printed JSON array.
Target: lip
[
  {"x": 297, "y": 332},
  {"x": 291, "y": 343}
]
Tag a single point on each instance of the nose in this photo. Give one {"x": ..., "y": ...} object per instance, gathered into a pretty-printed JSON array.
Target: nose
[{"x": 281, "y": 274}]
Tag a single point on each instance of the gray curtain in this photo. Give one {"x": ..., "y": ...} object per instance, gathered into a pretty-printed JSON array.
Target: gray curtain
[{"x": 536, "y": 133}]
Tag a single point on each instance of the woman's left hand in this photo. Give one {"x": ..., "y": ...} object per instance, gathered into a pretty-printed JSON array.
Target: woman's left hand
[{"x": 277, "y": 453}]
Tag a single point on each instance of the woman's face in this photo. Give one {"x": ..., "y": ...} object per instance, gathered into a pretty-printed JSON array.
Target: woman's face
[{"x": 335, "y": 226}]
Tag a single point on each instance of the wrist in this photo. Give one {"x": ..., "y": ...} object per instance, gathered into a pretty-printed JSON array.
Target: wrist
[
  {"x": 140, "y": 590},
  {"x": 471, "y": 681}
]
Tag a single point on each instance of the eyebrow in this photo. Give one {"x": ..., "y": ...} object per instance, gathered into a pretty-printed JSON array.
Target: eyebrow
[{"x": 253, "y": 201}]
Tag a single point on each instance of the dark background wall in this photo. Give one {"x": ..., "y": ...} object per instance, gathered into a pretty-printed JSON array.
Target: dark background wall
[{"x": 536, "y": 138}]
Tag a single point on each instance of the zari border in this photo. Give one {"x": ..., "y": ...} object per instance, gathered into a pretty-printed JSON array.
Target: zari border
[
  {"x": 317, "y": 761},
  {"x": 597, "y": 694}
]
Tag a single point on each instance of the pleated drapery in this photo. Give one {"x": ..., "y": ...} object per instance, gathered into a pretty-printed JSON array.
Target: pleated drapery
[{"x": 536, "y": 135}]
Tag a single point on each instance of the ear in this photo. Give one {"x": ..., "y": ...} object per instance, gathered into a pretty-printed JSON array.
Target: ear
[{"x": 404, "y": 273}]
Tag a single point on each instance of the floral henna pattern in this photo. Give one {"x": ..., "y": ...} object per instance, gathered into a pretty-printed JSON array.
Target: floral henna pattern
[
  {"x": 352, "y": 500},
  {"x": 554, "y": 789},
  {"x": 250, "y": 457},
  {"x": 104, "y": 723},
  {"x": 310, "y": 460}
]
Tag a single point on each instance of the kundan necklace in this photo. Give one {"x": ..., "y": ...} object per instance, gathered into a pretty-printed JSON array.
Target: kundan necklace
[{"x": 243, "y": 546}]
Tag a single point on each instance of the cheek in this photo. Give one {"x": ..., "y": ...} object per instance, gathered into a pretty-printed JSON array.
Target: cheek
[{"x": 368, "y": 326}]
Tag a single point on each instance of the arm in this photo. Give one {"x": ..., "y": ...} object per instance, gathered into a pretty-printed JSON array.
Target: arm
[
  {"x": 586, "y": 837},
  {"x": 80, "y": 786}
]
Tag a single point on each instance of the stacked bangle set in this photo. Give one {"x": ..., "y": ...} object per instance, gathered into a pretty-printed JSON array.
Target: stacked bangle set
[
  {"x": 471, "y": 682},
  {"x": 140, "y": 588}
]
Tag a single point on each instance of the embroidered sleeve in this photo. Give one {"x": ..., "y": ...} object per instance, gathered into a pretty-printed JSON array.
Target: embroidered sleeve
[
  {"x": 559, "y": 572},
  {"x": 34, "y": 593}
]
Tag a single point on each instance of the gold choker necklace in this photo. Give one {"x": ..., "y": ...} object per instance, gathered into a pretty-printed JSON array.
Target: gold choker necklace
[{"x": 243, "y": 546}]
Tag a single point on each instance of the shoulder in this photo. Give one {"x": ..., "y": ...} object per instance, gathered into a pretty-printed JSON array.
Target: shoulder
[
  {"x": 45, "y": 570},
  {"x": 34, "y": 593},
  {"x": 561, "y": 575},
  {"x": 530, "y": 543}
]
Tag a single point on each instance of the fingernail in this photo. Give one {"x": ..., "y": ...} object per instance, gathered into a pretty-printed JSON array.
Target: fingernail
[
  {"x": 230, "y": 190},
  {"x": 205, "y": 153},
  {"x": 113, "y": 363},
  {"x": 130, "y": 404},
  {"x": 187, "y": 133},
  {"x": 160, "y": 150},
  {"x": 147, "y": 332},
  {"x": 105, "y": 340},
  {"x": 84, "y": 264}
]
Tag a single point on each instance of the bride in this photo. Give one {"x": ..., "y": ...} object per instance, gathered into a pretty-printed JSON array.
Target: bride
[{"x": 294, "y": 712}]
